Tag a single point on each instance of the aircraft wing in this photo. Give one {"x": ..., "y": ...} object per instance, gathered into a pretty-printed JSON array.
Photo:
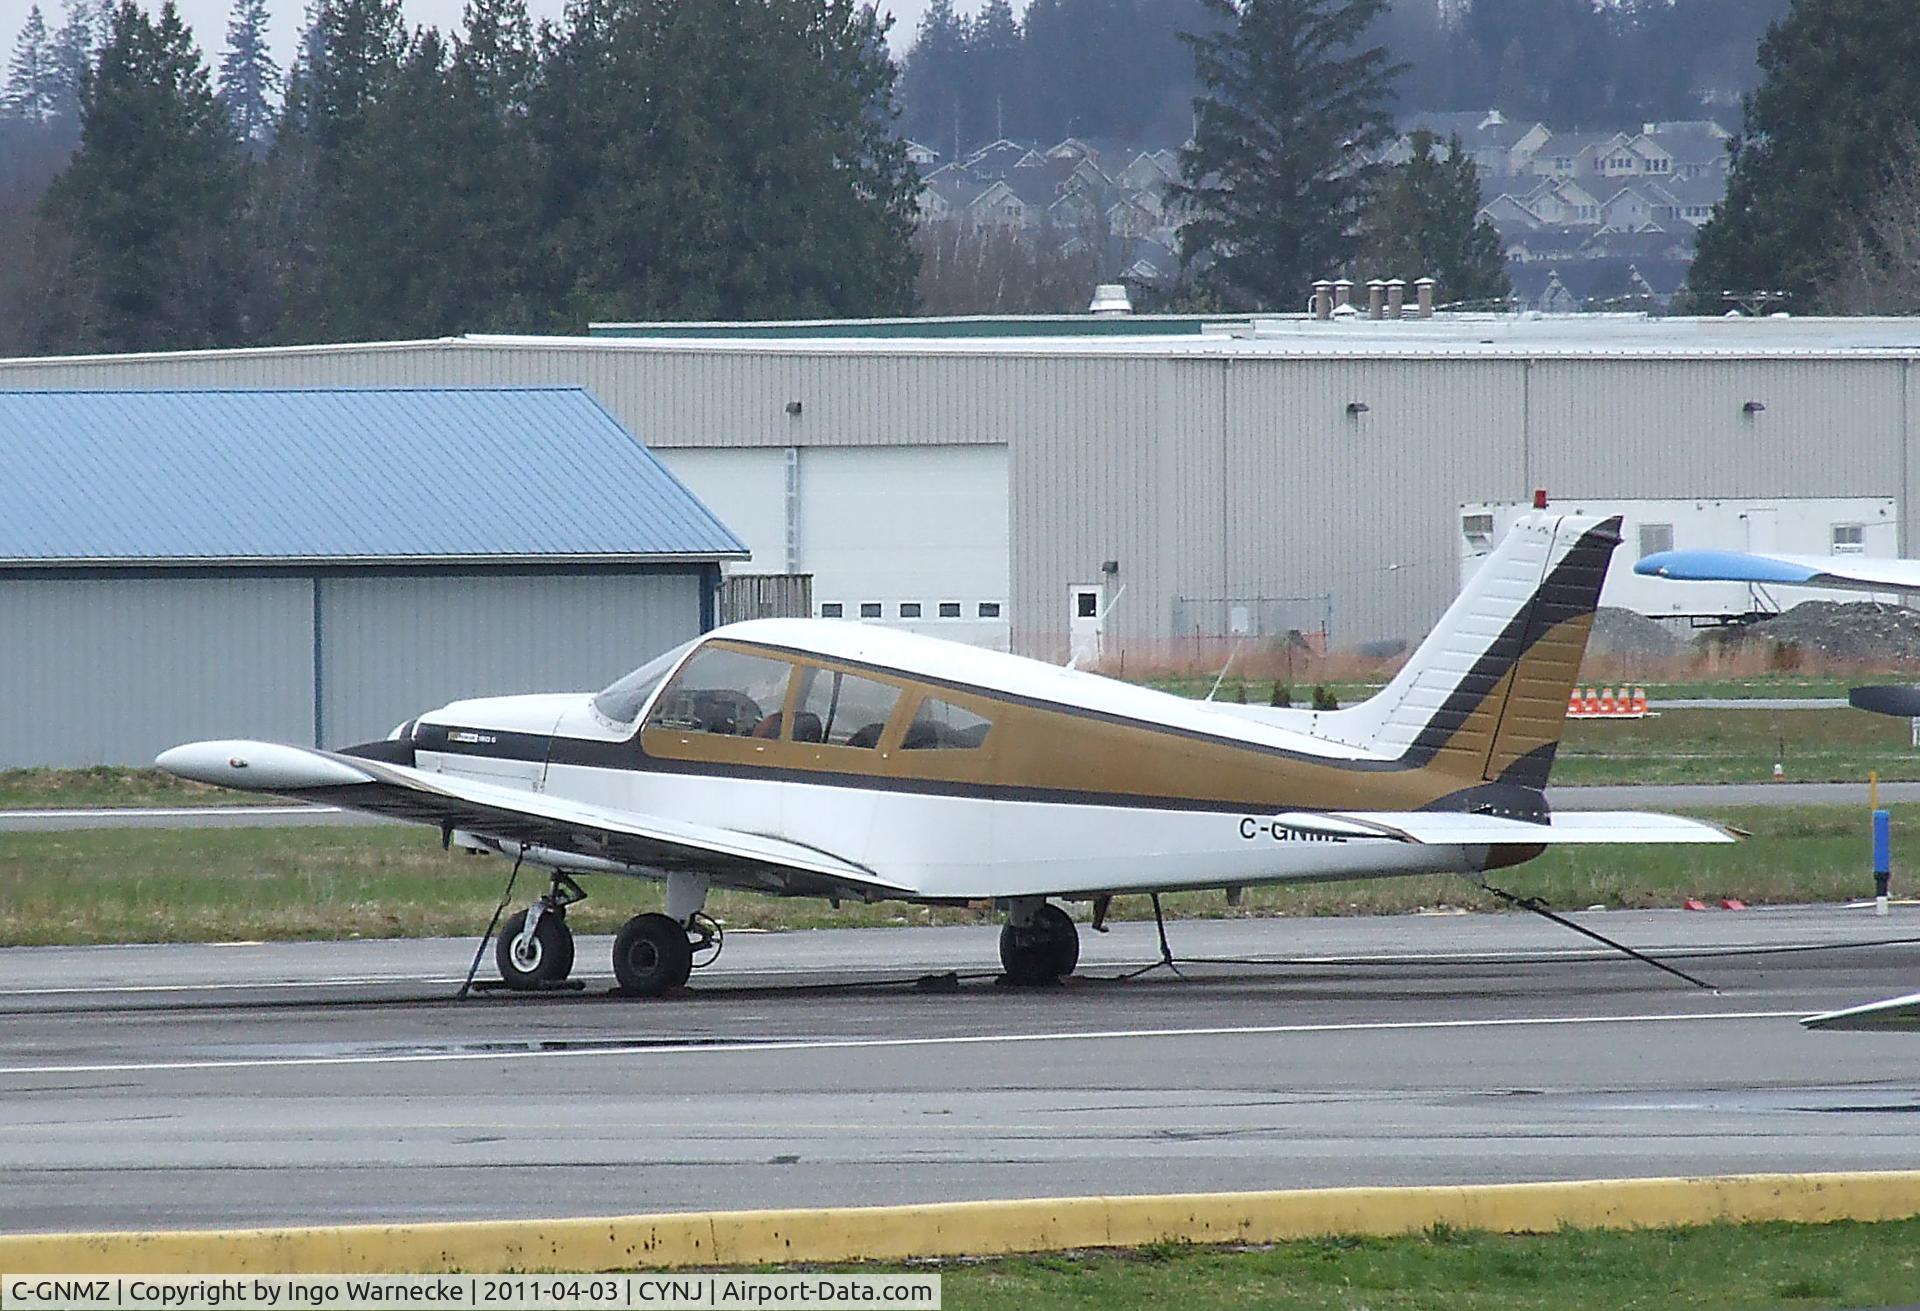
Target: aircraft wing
[
  {"x": 1855, "y": 572},
  {"x": 1899, "y": 1014},
  {"x": 515, "y": 816},
  {"x": 1459, "y": 828}
]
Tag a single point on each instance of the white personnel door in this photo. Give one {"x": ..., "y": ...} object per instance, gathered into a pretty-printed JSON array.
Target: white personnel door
[{"x": 1086, "y": 623}]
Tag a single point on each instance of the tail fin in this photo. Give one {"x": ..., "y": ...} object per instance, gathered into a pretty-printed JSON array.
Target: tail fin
[{"x": 1484, "y": 698}]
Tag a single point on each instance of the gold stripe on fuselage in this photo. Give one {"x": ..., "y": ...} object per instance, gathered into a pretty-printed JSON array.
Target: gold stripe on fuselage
[{"x": 1037, "y": 747}]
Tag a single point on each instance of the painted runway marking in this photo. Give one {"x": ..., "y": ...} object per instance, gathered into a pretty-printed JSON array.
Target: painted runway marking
[
  {"x": 844, "y": 1044},
  {"x": 166, "y": 812}
]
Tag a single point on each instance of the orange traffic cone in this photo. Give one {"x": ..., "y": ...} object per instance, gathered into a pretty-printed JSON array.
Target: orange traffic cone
[
  {"x": 1593, "y": 702},
  {"x": 1639, "y": 701},
  {"x": 1606, "y": 700},
  {"x": 1574, "y": 709},
  {"x": 1779, "y": 772}
]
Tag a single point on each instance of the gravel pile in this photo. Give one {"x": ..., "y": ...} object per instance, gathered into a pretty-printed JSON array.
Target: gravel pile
[
  {"x": 1618, "y": 632},
  {"x": 1852, "y": 631}
]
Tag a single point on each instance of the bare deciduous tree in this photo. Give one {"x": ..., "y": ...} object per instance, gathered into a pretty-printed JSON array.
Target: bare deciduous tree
[
  {"x": 967, "y": 269},
  {"x": 1880, "y": 273}
]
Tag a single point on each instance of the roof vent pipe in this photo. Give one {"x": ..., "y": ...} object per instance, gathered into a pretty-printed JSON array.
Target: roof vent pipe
[
  {"x": 1423, "y": 290},
  {"x": 1110, "y": 301},
  {"x": 1396, "y": 297},
  {"x": 1322, "y": 299},
  {"x": 1342, "y": 292},
  {"x": 1376, "y": 298}
]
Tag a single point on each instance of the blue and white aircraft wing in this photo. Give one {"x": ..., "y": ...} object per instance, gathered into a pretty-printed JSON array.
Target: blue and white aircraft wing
[{"x": 1854, "y": 572}]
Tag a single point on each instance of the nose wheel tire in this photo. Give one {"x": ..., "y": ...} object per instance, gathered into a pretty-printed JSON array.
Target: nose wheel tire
[
  {"x": 651, "y": 955},
  {"x": 1045, "y": 950},
  {"x": 544, "y": 958}
]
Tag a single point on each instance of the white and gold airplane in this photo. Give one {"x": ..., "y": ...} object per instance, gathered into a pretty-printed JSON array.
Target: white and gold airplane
[{"x": 805, "y": 757}]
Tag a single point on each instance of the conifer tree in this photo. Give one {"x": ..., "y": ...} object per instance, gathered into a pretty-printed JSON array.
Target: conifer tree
[
  {"x": 1424, "y": 222},
  {"x": 152, "y": 194},
  {"x": 72, "y": 55},
  {"x": 1837, "y": 94},
  {"x": 932, "y": 84},
  {"x": 31, "y": 86},
  {"x": 249, "y": 77},
  {"x": 1292, "y": 108}
]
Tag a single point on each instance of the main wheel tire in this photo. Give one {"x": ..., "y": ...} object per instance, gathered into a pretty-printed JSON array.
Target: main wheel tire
[
  {"x": 1047, "y": 949},
  {"x": 651, "y": 955},
  {"x": 546, "y": 957}
]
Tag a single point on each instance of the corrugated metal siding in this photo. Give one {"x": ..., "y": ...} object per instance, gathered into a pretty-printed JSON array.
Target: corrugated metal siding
[
  {"x": 387, "y": 474},
  {"x": 1216, "y": 475},
  {"x": 116, "y": 671},
  {"x": 1647, "y": 428},
  {"x": 392, "y": 647}
]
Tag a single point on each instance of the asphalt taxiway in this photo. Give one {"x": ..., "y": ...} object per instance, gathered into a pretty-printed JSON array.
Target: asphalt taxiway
[{"x": 248, "y": 1084}]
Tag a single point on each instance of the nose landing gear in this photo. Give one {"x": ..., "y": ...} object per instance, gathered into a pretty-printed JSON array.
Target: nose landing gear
[{"x": 535, "y": 949}]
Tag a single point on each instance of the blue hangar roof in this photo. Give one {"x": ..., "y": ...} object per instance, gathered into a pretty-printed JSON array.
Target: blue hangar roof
[{"x": 487, "y": 475}]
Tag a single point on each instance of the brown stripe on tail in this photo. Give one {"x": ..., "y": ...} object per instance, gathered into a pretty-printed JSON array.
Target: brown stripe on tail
[
  {"x": 1503, "y": 720},
  {"x": 1559, "y": 621}
]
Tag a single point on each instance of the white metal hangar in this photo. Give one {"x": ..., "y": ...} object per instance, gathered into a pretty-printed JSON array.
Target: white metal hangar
[
  {"x": 317, "y": 566},
  {"x": 1134, "y": 481}
]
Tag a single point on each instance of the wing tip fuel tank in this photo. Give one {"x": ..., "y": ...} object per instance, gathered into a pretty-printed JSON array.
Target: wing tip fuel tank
[{"x": 258, "y": 766}]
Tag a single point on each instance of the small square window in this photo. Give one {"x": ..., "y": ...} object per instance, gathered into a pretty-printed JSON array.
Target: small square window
[
  {"x": 869, "y": 609},
  {"x": 909, "y": 609},
  {"x": 1849, "y": 539},
  {"x": 1655, "y": 538},
  {"x": 832, "y": 610},
  {"x": 989, "y": 609},
  {"x": 949, "y": 609},
  {"x": 1087, "y": 605}
]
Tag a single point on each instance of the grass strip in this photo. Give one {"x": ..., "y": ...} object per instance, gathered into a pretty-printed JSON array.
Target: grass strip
[
  {"x": 1707, "y": 1268},
  {"x": 198, "y": 885}
]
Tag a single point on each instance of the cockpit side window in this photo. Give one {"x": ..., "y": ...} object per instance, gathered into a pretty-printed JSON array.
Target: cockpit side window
[
  {"x": 727, "y": 693},
  {"x": 942, "y": 726},
  {"x": 623, "y": 700},
  {"x": 840, "y": 709}
]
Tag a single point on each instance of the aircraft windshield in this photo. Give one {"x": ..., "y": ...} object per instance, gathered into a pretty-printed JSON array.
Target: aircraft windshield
[{"x": 621, "y": 702}]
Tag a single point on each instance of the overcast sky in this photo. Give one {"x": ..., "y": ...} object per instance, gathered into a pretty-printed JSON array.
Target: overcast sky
[{"x": 208, "y": 19}]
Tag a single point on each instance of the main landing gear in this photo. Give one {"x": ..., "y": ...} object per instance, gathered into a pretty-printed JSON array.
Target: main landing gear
[
  {"x": 655, "y": 953},
  {"x": 1039, "y": 943}
]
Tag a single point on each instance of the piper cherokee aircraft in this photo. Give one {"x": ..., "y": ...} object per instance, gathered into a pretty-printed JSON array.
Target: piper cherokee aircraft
[{"x": 818, "y": 757}]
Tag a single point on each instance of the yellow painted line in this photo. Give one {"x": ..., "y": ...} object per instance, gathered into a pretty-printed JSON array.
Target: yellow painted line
[{"x": 884, "y": 1233}]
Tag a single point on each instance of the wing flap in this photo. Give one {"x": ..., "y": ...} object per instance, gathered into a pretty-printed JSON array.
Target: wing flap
[
  {"x": 514, "y": 815},
  {"x": 1458, "y": 828}
]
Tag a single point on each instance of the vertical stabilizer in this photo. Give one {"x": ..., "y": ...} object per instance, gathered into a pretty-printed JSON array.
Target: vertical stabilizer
[{"x": 1484, "y": 698}]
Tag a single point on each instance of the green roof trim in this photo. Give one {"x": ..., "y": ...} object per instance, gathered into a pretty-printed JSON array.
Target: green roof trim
[{"x": 969, "y": 326}]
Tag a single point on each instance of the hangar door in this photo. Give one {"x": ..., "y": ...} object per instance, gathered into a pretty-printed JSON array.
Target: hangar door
[
  {"x": 391, "y": 647},
  {"x": 919, "y": 532},
  {"x": 115, "y": 671}
]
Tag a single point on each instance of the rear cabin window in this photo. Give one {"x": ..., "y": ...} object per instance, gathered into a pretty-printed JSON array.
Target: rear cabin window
[
  {"x": 843, "y": 710},
  {"x": 943, "y": 726},
  {"x": 725, "y": 692}
]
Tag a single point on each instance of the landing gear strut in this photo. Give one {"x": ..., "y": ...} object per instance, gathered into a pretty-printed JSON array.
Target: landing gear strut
[
  {"x": 535, "y": 949},
  {"x": 1039, "y": 943},
  {"x": 654, "y": 953}
]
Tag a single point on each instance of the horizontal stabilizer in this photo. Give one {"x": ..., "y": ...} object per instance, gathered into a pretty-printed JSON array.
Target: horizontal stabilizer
[
  {"x": 1895, "y": 1015},
  {"x": 1457, "y": 828},
  {"x": 1853, "y": 572}
]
